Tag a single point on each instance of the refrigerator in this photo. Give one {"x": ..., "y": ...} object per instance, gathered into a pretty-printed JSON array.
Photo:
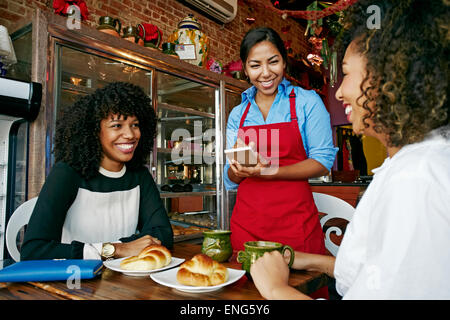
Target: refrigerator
[{"x": 19, "y": 105}]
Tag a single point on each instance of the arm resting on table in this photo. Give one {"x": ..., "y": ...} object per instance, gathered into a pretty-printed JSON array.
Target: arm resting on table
[{"x": 314, "y": 262}]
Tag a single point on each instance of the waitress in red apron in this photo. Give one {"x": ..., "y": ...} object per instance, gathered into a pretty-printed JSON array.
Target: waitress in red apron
[{"x": 274, "y": 201}]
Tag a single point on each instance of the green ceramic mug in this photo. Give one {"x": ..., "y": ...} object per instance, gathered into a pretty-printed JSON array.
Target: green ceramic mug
[
  {"x": 109, "y": 23},
  {"x": 256, "y": 249},
  {"x": 217, "y": 244}
]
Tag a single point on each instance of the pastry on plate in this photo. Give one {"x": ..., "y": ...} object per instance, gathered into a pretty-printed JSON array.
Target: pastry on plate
[
  {"x": 202, "y": 271},
  {"x": 150, "y": 258}
]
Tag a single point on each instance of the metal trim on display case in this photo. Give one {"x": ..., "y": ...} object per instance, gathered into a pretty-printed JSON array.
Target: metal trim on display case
[{"x": 220, "y": 127}]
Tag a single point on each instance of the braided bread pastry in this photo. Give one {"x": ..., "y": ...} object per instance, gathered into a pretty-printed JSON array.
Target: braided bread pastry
[
  {"x": 150, "y": 258},
  {"x": 201, "y": 271}
]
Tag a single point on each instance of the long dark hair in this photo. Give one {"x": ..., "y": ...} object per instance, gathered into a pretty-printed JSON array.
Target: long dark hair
[
  {"x": 77, "y": 139},
  {"x": 256, "y": 35}
]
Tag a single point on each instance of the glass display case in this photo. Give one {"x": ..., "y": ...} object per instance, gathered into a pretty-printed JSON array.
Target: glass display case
[
  {"x": 185, "y": 162},
  {"x": 191, "y": 104}
]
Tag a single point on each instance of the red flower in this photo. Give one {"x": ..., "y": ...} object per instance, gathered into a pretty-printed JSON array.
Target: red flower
[
  {"x": 235, "y": 65},
  {"x": 83, "y": 9},
  {"x": 232, "y": 67},
  {"x": 151, "y": 32},
  {"x": 61, "y": 7},
  {"x": 287, "y": 44},
  {"x": 209, "y": 63}
]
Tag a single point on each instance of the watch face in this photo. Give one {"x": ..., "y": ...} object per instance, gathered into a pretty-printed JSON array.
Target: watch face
[{"x": 108, "y": 250}]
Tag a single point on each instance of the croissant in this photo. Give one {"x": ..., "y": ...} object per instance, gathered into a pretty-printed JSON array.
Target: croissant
[
  {"x": 201, "y": 271},
  {"x": 150, "y": 258}
]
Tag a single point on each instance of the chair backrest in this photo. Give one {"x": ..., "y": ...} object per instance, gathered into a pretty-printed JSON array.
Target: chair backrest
[
  {"x": 18, "y": 219},
  {"x": 333, "y": 207}
]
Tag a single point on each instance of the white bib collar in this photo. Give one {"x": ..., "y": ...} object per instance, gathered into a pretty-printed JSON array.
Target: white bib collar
[{"x": 112, "y": 174}]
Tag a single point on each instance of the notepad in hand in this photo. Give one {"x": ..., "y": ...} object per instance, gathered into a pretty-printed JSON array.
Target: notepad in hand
[
  {"x": 50, "y": 270},
  {"x": 245, "y": 156}
]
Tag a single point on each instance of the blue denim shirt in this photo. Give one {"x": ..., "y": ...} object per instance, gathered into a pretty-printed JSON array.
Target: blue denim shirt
[{"x": 313, "y": 121}]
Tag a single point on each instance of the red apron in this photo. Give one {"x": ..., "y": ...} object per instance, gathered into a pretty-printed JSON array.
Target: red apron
[{"x": 281, "y": 210}]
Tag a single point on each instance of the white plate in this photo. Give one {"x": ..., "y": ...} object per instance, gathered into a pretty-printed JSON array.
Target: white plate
[
  {"x": 115, "y": 266},
  {"x": 169, "y": 279}
]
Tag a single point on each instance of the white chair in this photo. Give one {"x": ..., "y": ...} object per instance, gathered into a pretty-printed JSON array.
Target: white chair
[
  {"x": 333, "y": 208},
  {"x": 18, "y": 220}
]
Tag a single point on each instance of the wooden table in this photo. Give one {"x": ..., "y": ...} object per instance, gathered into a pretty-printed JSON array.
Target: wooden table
[{"x": 113, "y": 285}]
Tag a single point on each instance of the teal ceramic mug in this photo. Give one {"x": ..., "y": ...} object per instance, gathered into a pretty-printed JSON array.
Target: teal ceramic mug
[{"x": 256, "y": 249}]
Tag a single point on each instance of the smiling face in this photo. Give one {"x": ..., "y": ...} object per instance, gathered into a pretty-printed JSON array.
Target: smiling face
[
  {"x": 265, "y": 68},
  {"x": 349, "y": 92},
  {"x": 119, "y": 137}
]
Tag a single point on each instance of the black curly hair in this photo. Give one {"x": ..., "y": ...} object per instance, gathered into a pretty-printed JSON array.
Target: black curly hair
[
  {"x": 77, "y": 141},
  {"x": 407, "y": 68}
]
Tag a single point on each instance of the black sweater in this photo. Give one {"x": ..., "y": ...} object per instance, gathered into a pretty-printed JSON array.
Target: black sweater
[{"x": 72, "y": 212}]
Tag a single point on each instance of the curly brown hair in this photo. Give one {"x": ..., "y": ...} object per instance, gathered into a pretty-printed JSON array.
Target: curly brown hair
[
  {"x": 77, "y": 141},
  {"x": 407, "y": 68}
]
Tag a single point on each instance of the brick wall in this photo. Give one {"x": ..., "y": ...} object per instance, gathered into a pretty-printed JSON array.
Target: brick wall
[{"x": 225, "y": 40}]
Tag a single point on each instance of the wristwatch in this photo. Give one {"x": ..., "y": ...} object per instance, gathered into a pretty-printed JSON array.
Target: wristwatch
[{"x": 108, "y": 251}]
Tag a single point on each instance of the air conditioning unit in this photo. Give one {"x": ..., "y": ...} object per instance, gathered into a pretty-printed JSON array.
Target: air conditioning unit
[{"x": 222, "y": 10}]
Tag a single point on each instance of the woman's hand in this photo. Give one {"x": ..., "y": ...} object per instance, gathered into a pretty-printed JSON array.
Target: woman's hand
[
  {"x": 245, "y": 172},
  {"x": 133, "y": 248},
  {"x": 242, "y": 172},
  {"x": 270, "y": 273}
]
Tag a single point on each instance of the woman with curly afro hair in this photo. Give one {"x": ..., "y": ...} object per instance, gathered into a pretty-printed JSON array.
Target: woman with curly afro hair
[
  {"x": 99, "y": 200},
  {"x": 395, "y": 88}
]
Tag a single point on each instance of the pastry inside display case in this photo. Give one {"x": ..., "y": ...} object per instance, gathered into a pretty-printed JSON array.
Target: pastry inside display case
[
  {"x": 197, "y": 209},
  {"x": 186, "y": 232},
  {"x": 201, "y": 218}
]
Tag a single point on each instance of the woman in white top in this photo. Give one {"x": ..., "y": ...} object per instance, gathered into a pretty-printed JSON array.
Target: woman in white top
[{"x": 395, "y": 88}]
